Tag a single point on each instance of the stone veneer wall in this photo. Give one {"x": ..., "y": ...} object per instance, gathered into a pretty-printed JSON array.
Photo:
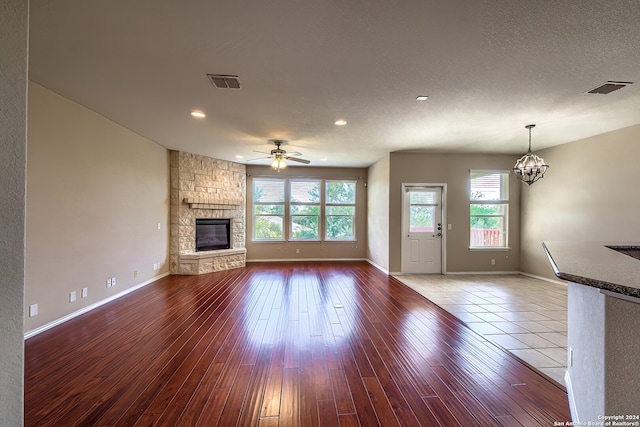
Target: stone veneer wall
[{"x": 203, "y": 187}]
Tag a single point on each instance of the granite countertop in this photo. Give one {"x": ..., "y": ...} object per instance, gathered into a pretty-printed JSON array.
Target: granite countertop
[{"x": 594, "y": 264}]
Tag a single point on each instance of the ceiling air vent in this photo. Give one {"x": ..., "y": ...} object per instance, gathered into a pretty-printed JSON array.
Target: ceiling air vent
[
  {"x": 222, "y": 81},
  {"x": 608, "y": 87}
]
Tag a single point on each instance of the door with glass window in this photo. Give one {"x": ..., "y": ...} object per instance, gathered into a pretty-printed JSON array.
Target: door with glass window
[{"x": 422, "y": 230}]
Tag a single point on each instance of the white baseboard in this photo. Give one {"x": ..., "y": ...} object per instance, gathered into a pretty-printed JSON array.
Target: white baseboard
[
  {"x": 305, "y": 259},
  {"x": 546, "y": 279},
  {"x": 481, "y": 272},
  {"x": 572, "y": 400},
  {"x": 384, "y": 270},
  {"x": 88, "y": 308}
]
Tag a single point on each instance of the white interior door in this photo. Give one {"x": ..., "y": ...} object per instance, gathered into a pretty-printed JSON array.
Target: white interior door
[{"x": 422, "y": 230}]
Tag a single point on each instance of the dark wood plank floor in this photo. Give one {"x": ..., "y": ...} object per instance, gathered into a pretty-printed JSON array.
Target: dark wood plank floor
[{"x": 308, "y": 344}]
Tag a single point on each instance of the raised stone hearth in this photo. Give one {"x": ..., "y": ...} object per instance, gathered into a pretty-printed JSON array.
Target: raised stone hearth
[
  {"x": 210, "y": 261},
  {"x": 203, "y": 187}
]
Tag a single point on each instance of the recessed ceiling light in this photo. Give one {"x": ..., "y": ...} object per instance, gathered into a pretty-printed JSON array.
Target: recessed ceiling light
[
  {"x": 199, "y": 114},
  {"x": 422, "y": 98},
  {"x": 239, "y": 157},
  {"x": 323, "y": 160},
  {"x": 340, "y": 122}
]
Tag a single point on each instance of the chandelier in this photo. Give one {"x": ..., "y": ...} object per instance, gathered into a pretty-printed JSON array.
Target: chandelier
[{"x": 530, "y": 168}]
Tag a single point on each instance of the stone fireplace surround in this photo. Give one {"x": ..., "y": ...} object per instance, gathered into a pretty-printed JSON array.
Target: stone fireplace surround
[{"x": 203, "y": 187}]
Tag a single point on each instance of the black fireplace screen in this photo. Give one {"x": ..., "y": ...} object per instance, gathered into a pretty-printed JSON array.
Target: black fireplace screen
[{"x": 212, "y": 234}]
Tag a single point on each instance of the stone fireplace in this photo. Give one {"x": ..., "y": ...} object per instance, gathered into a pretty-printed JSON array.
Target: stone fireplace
[{"x": 205, "y": 188}]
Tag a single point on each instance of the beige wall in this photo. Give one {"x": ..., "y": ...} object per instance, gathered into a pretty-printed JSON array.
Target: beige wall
[
  {"x": 96, "y": 193},
  {"x": 453, "y": 170},
  {"x": 260, "y": 251},
  {"x": 378, "y": 213},
  {"x": 588, "y": 194},
  {"x": 13, "y": 141}
]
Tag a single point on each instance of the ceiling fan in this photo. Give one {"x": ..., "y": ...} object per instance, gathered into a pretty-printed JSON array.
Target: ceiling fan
[{"x": 279, "y": 155}]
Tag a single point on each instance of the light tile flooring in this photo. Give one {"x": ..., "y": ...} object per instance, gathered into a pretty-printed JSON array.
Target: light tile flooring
[{"x": 523, "y": 315}]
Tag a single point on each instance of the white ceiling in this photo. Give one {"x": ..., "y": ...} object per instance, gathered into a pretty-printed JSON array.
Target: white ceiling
[{"x": 489, "y": 68}]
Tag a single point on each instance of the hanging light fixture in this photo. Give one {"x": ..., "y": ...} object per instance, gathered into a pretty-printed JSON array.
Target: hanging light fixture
[
  {"x": 278, "y": 163},
  {"x": 530, "y": 168}
]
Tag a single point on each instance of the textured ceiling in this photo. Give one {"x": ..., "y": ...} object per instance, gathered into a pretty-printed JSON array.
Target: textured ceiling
[{"x": 489, "y": 68}]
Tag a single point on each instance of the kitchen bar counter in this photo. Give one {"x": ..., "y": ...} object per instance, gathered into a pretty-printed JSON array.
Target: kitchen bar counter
[
  {"x": 596, "y": 265},
  {"x": 603, "y": 378}
]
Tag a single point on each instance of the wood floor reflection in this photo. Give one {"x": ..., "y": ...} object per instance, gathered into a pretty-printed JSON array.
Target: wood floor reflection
[{"x": 308, "y": 344}]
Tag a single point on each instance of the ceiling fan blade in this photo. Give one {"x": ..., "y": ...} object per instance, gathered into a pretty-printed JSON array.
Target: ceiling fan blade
[
  {"x": 259, "y": 158},
  {"x": 295, "y": 159},
  {"x": 261, "y": 152},
  {"x": 294, "y": 153}
]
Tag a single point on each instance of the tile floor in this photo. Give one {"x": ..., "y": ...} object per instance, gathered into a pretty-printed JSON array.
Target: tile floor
[{"x": 523, "y": 315}]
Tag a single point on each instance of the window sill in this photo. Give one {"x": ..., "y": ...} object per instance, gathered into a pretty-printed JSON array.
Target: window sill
[{"x": 489, "y": 248}]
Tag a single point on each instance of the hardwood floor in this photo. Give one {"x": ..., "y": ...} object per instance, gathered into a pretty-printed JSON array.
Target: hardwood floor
[{"x": 309, "y": 344}]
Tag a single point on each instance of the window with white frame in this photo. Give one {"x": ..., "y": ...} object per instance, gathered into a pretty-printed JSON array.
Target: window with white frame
[
  {"x": 304, "y": 210},
  {"x": 297, "y": 209},
  {"x": 340, "y": 210},
  {"x": 268, "y": 209},
  {"x": 489, "y": 208}
]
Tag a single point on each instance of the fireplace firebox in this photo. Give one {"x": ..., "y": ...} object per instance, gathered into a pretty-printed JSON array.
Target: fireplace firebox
[{"x": 213, "y": 234}]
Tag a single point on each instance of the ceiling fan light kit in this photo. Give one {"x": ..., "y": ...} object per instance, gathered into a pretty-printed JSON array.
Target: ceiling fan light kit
[
  {"x": 530, "y": 168},
  {"x": 278, "y": 164}
]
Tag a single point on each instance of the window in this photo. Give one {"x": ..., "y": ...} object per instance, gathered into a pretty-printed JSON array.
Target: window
[
  {"x": 340, "y": 210},
  {"x": 305, "y": 210},
  {"x": 489, "y": 208},
  {"x": 422, "y": 206},
  {"x": 268, "y": 209}
]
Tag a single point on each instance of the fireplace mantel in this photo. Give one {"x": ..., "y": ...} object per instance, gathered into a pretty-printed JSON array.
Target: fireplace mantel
[{"x": 210, "y": 204}]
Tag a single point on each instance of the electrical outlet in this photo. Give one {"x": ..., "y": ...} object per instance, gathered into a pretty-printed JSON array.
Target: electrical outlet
[
  {"x": 113, "y": 281},
  {"x": 135, "y": 273},
  {"x": 297, "y": 251},
  {"x": 448, "y": 226},
  {"x": 158, "y": 226},
  {"x": 33, "y": 310},
  {"x": 108, "y": 283},
  {"x": 72, "y": 296},
  {"x": 85, "y": 292},
  {"x": 493, "y": 262}
]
